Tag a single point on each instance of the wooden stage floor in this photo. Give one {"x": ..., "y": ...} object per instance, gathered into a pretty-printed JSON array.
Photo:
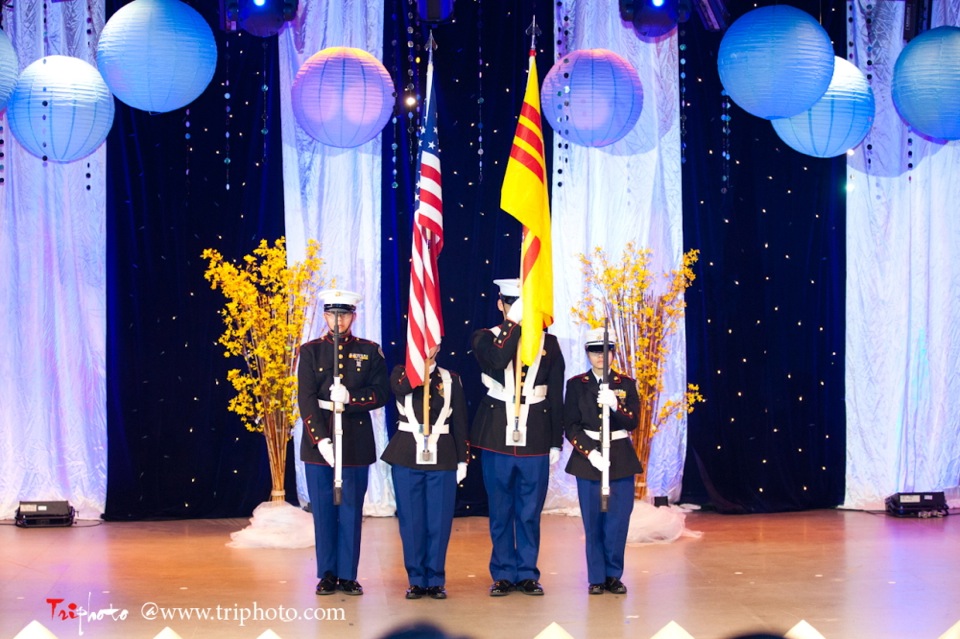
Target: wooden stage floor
[{"x": 850, "y": 575}]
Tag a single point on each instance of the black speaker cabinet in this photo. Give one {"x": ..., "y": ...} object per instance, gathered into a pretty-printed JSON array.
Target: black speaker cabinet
[
  {"x": 44, "y": 514},
  {"x": 917, "y": 505}
]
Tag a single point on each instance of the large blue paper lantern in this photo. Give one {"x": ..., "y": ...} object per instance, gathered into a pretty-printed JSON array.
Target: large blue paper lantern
[
  {"x": 592, "y": 97},
  {"x": 926, "y": 83},
  {"x": 61, "y": 109},
  {"x": 342, "y": 96},
  {"x": 157, "y": 55},
  {"x": 775, "y": 61},
  {"x": 9, "y": 69},
  {"x": 838, "y": 121}
]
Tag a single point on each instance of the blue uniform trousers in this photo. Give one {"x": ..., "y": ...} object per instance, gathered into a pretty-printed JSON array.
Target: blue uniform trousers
[
  {"x": 516, "y": 490},
  {"x": 425, "y": 503},
  {"x": 605, "y": 532},
  {"x": 337, "y": 528}
]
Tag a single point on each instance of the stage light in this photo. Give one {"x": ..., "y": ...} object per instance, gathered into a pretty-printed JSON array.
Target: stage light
[
  {"x": 650, "y": 18},
  {"x": 261, "y": 18},
  {"x": 435, "y": 10}
]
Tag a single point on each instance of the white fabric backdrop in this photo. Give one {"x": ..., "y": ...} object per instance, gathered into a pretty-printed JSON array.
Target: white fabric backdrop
[
  {"x": 903, "y": 287},
  {"x": 628, "y": 191},
  {"x": 53, "y": 425},
  {"x": 333, "y": 195}
]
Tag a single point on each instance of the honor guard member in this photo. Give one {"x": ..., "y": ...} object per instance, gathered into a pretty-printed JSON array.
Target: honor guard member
[
  {"x": 427, "y": 464},
  {"x": 586, "y": 395},
  {"x": 517, "y": 449},
  {"x": 362, "y": 388}
]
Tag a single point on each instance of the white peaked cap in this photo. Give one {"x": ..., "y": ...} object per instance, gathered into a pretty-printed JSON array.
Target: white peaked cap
[
  {"x": 509, "y": 287},
  {"x": 595, "y": 337},
  {"x": 337, "y": 298}
]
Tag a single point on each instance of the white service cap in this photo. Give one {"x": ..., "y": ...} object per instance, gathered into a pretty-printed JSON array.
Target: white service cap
[
  {"x": 595, "y": 338},
  {"x": 335, "y": 298},
  {"x": 509, "y": 287}
]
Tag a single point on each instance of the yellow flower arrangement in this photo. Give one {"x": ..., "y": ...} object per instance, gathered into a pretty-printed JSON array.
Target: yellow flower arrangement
[
  {"x": 642, "y": 321},
  {"x": 268, "y": 305}
]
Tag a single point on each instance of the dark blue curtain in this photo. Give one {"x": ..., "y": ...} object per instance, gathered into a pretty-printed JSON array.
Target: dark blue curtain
[
  {"x": 765, "y": 317},
  {"x": 177, "y": 183}
]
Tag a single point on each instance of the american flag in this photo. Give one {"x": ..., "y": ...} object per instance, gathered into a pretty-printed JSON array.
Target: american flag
[{"x": 424, "y": 318}]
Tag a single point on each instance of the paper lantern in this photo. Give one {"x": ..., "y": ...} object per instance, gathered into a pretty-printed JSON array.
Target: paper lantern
[
  {"x": 342, "y": 96},
  {"x": 592, "y": 97},
  {"x": 775, "y": 61},
  {"x": 61, "y": 109},
  {"x": 838, "y": 121},
  {"x": 926, "y": 83},
  {"x": 157, "y": 55},
  {"x": 9, "y": 69}
]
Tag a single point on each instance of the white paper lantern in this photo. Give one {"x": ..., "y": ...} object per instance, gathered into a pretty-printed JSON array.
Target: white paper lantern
[
  {"x": 157, "y": 55},
  {"x": 61, "y": 109},
  {"x": 592, "y": 97},
  {"x": 342, "y": 96},
  {"x": 838, "y": 121},
  {"x": 9, "y": 69},
  {"x": 775, "y": 61},
  {"x": 926, "y": 83}
]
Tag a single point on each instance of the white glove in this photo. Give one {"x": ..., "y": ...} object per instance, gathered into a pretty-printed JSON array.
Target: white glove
[
  {"x": 606, "y": 397},
  {"x": 325, "y": 446},
  {"x": 339, "y": 394},
  {"x": 461, "y": 471},
  {"x": 515, "y": 314},
  {"x": 598, "y": 461},
  {"x": 554, "y": 456}
]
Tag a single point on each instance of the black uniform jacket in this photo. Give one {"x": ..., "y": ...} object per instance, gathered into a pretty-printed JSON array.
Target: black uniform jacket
[
  {"x": 545, "y": 418},
  {"x": 581, "y": 412},
  {"x": 364, "y": 373},
  {"x": 452, "y": 447}
]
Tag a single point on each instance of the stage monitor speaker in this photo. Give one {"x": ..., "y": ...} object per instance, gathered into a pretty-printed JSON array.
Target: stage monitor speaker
[
  {"x": 917, "y": 505},
  {"x": 45, "y": 514}
]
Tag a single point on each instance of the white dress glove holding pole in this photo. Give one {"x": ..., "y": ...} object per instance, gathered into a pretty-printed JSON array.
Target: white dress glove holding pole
[
  {"x": 461, "y": 471},
  {"x": 606, "y": 397},
  {"x": 339, "y": 394},
  {"x": 325, "y": 446},
  {"x": 515, "y": 314},
  {"x": 598, "y": 461},
  {"x": 554, "y": 456}
]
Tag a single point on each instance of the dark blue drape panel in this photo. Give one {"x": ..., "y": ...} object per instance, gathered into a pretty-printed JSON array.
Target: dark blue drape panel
[
  {"x": 481, "y": 241},
  {"x": 765, "y": 317},
  {"x": 174, "y": 449}
]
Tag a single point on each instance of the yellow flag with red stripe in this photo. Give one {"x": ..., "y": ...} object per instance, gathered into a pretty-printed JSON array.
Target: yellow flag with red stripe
[{"x": 525, "y": 196}]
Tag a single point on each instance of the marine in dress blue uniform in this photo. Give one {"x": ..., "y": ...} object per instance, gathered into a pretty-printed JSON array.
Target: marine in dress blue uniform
[
  {"x": 605, "y": 532},
  {"x": 426, "y": 471},
  {"x": 364, "y": 388},
  {"x": 517, "y": 453}
]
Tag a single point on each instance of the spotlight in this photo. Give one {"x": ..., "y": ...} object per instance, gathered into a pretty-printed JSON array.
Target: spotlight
[
  {"x": 650, "y": 18},
  {"x": 262, "y": 18}
]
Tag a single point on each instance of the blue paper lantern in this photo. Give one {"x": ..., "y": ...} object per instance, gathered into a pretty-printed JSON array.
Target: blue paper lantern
[
  {"x": 61, "y": 109},
  {"x": 157, "y": 55},
  {"x": 926, "y": 83},
  {"x": 775, "y": 61},
  {"x": 9, "y": 69},
  {"x": 342, "y": 96},
  {"x": 838, "y": 121},
  {"x": 592, "y": 97}
]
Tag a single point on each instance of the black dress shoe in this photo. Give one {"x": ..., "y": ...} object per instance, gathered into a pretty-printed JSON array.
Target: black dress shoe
[
  {"x": 530, "y": 587},
  {"x": 595, "y": 589},
  {"x": 437, "y": 592},
  {"x": 615, "y": 586},
  {"x": 416, "y": 592},
  {"x": 501, "y": 588},
  {"x": 351, "y": 587},
  {"x": 327, "y": 585}
]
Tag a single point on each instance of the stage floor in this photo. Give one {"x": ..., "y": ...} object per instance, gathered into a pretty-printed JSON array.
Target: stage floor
[{"x": 850, "y": 575}]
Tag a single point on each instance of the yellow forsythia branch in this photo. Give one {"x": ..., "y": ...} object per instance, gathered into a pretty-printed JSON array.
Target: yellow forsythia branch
[{"x": 268, "y": 303}]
